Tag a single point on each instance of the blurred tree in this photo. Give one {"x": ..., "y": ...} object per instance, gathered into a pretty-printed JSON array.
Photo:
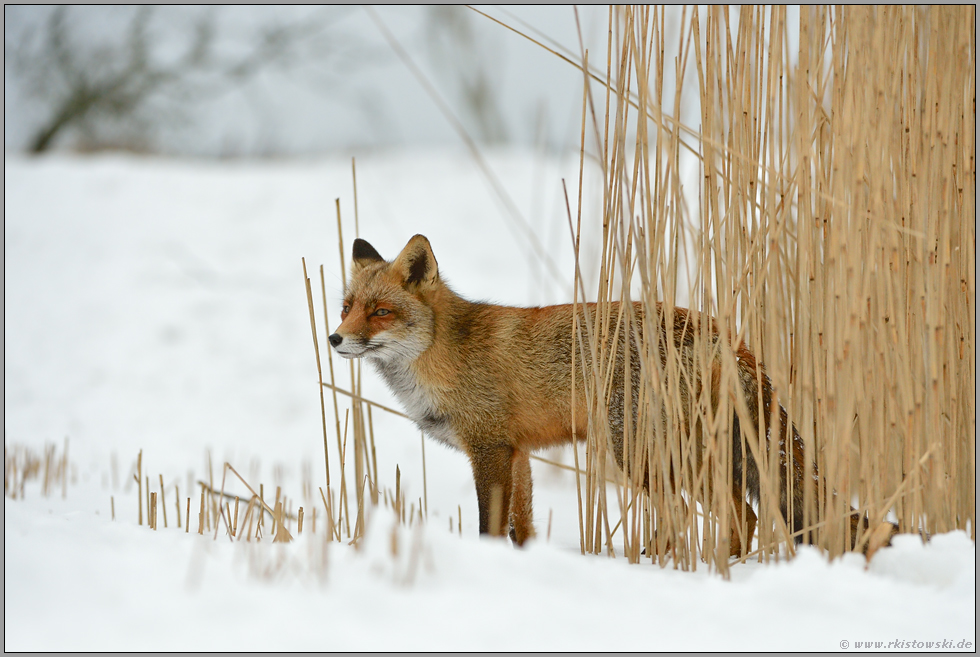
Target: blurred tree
[{"x": 131, "y": 73}]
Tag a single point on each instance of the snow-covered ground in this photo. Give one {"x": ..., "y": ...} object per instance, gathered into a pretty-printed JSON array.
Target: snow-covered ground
[{"x": 160, "y": 306}]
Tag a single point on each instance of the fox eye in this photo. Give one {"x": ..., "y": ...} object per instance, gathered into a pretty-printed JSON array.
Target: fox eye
[
  {"x": 381, "y": 312},
  {"x": 345, "y": 309}
]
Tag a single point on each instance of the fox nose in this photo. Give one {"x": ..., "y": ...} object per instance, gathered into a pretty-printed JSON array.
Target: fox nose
[{"x": 335, "y": 340}]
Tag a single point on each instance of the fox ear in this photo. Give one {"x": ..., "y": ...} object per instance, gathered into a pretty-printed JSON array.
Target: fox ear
[
  {"x": 415, "y": 263},
  {"x": 364, "y": 254}
]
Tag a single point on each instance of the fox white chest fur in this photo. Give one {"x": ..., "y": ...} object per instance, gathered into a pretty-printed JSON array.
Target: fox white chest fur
[{"x": 418, "y": 402}]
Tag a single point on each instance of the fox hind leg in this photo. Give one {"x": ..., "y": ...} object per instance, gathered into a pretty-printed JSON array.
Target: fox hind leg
[{"x": 737, "y": 547}]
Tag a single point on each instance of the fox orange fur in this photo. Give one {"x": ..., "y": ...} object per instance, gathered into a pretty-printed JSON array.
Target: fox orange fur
[{"x": 495, "y": 382}]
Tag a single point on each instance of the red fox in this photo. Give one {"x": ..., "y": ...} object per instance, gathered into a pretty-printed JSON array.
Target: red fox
[{"x": 495, "y": 382}]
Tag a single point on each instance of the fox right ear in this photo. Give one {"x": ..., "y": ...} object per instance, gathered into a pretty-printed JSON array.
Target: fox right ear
[
  {"x": 415, "y": 263},
  {"x": 364, "y": 254}
]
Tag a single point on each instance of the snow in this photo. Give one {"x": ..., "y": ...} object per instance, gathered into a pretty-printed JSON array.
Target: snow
[{"x": 159, "y": 306}]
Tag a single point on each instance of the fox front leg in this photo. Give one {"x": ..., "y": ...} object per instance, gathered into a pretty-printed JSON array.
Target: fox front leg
[
  {"x": 521, "y": 512},
  {"x": 492, "y": 467}
]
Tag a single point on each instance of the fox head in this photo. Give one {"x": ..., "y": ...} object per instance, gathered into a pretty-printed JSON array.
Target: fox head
[{"x": 386, "y": 314}]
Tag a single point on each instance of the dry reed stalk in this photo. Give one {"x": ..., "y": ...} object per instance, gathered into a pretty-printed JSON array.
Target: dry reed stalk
[
  {"x": 187, "y": 525},
  {"x": 153, "y": 511},
  {"x": 344, "y": 511},
  {"x": 333, "y": 528},
  {"x": 247, "y": 520},
  {"x": 361, "y": 511},
  {"x": 177, "y": 503},
  {"x": 200, "y": 516},
  {"x": 319, "y": 371},
  {"x": 332, "y": 385},
  {"x": 139, "y": 483},
  {"x": 299, "y": 521},
  {"x": 163, "y": 504},
  {"x": 278, "y": 502},
  {"x": 281, "y": 534},
  {"x": 213, "y": 504},
  {"x": 398, "y": 495},
  {"x": 496, "y": 510},
  {"x": 374, "y": 457}
]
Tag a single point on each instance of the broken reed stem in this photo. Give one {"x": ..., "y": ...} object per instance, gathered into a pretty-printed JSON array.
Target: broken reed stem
[
  {"x": 398, "y": 494},
  {"x": 281, "y": 534},
  {"x": 187, "y": 525},
  {"x": 163, "y": 504},
  {"x": 153, "y": 511},
  {"x": 200, "y": 515},
  {"x": 177, "y": 503},
  {"x": 139, "y": 484}
]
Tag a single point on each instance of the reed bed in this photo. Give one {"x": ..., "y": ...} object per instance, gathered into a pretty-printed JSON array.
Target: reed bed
[{"x": 831, "y": 227}]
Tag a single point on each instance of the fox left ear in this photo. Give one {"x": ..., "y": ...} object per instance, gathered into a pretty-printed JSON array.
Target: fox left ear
[
  {"x": 416, "y": 263},
  {"x": 364, "y": 254}
]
